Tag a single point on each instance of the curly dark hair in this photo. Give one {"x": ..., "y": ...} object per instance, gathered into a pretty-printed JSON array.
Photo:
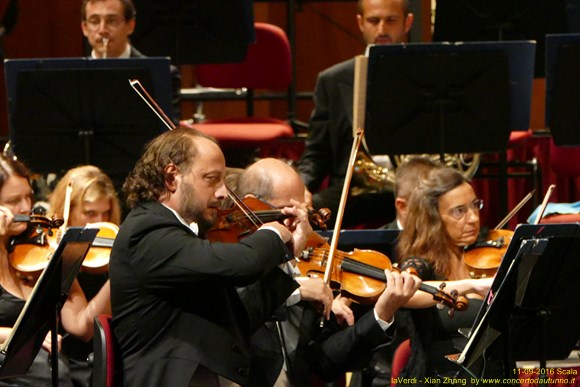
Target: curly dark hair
[{"x": 146, "y": 182}]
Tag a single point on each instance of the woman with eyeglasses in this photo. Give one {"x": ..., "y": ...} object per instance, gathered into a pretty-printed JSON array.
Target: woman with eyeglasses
[{"x": 442, "y": 219}]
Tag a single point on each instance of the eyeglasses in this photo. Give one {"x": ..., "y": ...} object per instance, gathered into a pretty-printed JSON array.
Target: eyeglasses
[
  {"x": 111, "y": 22},
  {"x": 460, "y": 212}
]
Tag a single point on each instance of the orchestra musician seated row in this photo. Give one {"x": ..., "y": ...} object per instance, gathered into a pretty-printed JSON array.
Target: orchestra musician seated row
[
  {"x": 442, "y": 219},
  {"x": 93, "y": 199},
  {"x": 77, "y": 314},
  {"x": 278, "y": 184},
  {"x": 305, "y": 349}
]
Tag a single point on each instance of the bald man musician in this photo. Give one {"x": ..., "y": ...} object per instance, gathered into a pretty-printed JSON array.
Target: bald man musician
[{"x": 302, "y": 348}]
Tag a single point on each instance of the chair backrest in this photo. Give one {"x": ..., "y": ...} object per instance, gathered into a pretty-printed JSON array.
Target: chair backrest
[
  {"x": 565, "y": 160},
  {"x": 267, "y": 65},
  {"x": 105, "y": 364},
  {"x": 400, "y": 359}
]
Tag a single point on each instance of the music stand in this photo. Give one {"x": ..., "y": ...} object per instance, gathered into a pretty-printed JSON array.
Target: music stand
[
  {"x": 447, "y": 98},
  {"x": 533, "y": 314},
  {"x": 41, "y": 311},
  {"x": 73, "y": 111},
  {"x": 192, "y": 32},
  {"x": 499, "y": 20},
  {"x": 562, "y": 85}
]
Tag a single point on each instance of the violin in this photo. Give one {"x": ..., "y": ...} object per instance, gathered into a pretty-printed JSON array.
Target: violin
[
  {"x": 484, "y": 257},
  {"x": 232, "y": 225},
  {"x": 31, "y": 250},
  {"x": 97, "y": 258},
  {"x": 360, "y": 274}
]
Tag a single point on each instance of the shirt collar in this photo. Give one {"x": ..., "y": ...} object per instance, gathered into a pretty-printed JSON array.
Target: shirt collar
[{"x": 192, "y": 226}]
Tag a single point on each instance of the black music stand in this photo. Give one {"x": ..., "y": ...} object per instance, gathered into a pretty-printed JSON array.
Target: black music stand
[
  {"x": 447, "y": 98},
  {"x": 41, "y": 312},
  {"x": 562, "y": 88},
  {"x": 499, "y": 20},
  {"x": 68, "y": 112},
  {"x": 191, "y": 31},
  {"x": 534, "y": 313}
]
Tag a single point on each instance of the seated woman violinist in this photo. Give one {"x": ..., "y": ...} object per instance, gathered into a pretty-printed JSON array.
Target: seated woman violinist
[
  {"x": 442, "y": 218},
  {"x": 77, "y": 314},
  {"x": 92, "y": 199}
]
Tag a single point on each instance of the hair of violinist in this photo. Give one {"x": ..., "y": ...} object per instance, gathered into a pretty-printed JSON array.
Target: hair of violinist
[
  {"x": 146, "y": 182},
  {"x": 424, "y": 233},
  {"x": 9, "y": 167},
  {"x": 89, "y": 185}
]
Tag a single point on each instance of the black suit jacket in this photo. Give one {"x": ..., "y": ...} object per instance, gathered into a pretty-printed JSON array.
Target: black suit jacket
[
  {"x": 311, "y": 351},
  {"x": 328, "y": 147},
  {"x": 330, "y": 130},
  {"x": 174, "y": 302}
]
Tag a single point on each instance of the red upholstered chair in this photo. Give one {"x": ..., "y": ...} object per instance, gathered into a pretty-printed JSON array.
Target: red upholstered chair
[
  {"x": 107, "y": 363},
  {"x": 267, "y": 66},
  {"x": 400, "y": 359}
]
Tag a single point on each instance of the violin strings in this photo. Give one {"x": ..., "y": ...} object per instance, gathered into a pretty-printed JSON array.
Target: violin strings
[{"x": 244, "y": 208}]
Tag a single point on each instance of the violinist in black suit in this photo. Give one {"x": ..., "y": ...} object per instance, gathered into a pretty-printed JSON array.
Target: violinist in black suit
[{"x": 176, "y": 314}]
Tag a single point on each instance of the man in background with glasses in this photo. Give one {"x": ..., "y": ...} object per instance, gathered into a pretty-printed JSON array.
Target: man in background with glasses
[{"x": 107, "y": 25}]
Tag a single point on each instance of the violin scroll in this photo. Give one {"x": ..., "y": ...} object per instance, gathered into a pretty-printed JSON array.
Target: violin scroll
[
  {"x": 319, "y": 218},
  {"x": 452, "y": 300},
  {"x": 39, "y": 221}
]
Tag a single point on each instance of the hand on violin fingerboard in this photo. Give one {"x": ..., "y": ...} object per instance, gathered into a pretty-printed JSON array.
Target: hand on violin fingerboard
[
  {"x": 399, "y": 289},
  {"x": 299, "y": 225}
]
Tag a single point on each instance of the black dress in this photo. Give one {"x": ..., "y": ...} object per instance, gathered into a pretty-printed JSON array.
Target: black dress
[
  {"x": 39, "y": 373},
  {"x": 433, "y": 333}
]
